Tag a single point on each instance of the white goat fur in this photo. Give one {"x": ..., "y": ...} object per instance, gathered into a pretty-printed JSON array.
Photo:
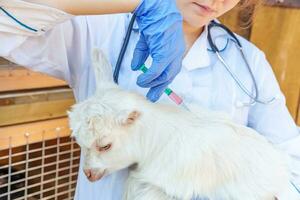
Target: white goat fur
[{"x": 178, "y": 153}]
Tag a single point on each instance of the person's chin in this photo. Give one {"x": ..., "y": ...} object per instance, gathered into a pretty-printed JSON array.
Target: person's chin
[{"x": 198, "y": 22}]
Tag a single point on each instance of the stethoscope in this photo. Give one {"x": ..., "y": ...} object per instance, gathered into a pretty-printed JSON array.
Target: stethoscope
[{"x": 253, "y": 98}]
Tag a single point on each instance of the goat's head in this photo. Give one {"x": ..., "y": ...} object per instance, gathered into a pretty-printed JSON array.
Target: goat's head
[
  {"x": 104, "y": 135},
  {"x": 103, "y": 124}
]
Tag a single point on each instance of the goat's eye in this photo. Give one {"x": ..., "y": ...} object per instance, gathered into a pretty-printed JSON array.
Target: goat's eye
[{"x": 104, "y": 148}]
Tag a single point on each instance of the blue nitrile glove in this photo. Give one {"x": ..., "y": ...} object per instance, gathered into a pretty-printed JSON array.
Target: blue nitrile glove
[{"x": 160, "y": 24}]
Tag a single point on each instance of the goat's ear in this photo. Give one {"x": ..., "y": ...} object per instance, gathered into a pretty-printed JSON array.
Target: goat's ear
[
  {"x": 129, "y": 117},
  {"x": 102, "y": 69}
]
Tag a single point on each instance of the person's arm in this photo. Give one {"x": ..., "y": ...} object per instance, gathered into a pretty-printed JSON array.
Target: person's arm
[
  {"x": 274, "y": 120},
  {"x": 46, "y": 54},
  {"x": 91, "y": 7},
  {"x": 160, "y": 25}
]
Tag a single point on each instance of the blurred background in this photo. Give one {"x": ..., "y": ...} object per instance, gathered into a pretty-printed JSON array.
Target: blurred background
[{"x": 38, "y": 160}]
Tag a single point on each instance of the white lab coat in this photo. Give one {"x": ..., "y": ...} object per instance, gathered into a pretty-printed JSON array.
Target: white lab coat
[{"x": 64, "y": 52}]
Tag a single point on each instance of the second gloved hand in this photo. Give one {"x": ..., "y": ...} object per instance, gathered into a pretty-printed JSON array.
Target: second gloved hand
[{"x": 162, "y": 38}]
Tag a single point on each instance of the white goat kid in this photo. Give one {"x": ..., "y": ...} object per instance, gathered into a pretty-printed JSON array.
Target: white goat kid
[{"x": 176, "y": 153}]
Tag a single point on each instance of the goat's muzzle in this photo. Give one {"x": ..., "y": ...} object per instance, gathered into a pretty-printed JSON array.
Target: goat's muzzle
[{"x": 93, "y": 174}]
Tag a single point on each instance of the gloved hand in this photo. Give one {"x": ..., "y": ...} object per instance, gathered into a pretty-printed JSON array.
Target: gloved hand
[{"x": 160, "y": 24}]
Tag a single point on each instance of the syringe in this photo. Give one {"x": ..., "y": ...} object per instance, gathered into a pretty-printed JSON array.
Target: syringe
[{"x": 169, "y": 92}]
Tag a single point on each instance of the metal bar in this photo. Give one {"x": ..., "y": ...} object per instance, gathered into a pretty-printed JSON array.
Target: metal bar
[
  {"x": 52, "y": 147},
  {"x": 9, "y": 169},
  {"x": 4, "y": 195},
  {"x": 38, "y": 175},
  {"x": 26, "y": 165},
  {"x": 57, "y": 159},
  {"x": 46, "y": 165},
  {"x": 14, "y": 182},
  {"x": 57, "y": 194},
  {"x": 45, "y": 182},
  {"x": 48, "y": 173},
  {"x": 36, "y": 150},
  {"x": 33, "y": 194},
  {"x": 50, "y": 197},
  {"x": 71, "y": 169},
  {"x": 62, "y": 149},
  {"x": 43, "y": 164},
  {"x": 35, "y": 159},
  {"x": 46, "y": 190}
]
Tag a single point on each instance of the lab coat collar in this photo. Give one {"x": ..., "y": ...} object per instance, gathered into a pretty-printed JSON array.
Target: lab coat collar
[{"x": 199, "y": 54}]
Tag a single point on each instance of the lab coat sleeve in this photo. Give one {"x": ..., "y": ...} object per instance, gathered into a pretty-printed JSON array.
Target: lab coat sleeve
[
  {"x": 47, "y": 53},
  {"x": 274, "y": 121},
  {"x": 24, "y": 18},
  {"x": 45, "y": 49}
]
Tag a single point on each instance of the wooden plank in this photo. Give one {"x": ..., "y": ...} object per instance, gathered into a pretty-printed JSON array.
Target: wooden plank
[
  {"x": 28, "y": 107},
  {"x": 19, "y": 78},
  {"x": 19, "y": 135},
  {"x": 284, "y": 3},
  {"x": 276, "y": 31},
  {"x": 33, "y": 112},
  {"x": 35, "y": 96},
  {"x": 3, "y": 61}
]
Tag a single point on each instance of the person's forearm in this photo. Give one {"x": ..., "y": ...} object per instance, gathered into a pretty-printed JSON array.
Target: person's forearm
[{"x": 91, "y": 7}]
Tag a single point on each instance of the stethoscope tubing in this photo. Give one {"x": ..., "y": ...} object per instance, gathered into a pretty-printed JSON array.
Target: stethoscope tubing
[
  {"x": 17, "y": 21},
  {"x": 253, "y": 99},
  {"x": 123, "y": 49}
]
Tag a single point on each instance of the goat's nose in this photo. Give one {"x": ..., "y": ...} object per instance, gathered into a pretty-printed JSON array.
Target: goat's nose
[
  {"x": 93, "y": 175},
  {"x": 87, "y": 172}
]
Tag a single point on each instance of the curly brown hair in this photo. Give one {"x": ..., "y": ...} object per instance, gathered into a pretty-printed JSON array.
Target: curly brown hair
[{"x": 247, "y": 10}]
